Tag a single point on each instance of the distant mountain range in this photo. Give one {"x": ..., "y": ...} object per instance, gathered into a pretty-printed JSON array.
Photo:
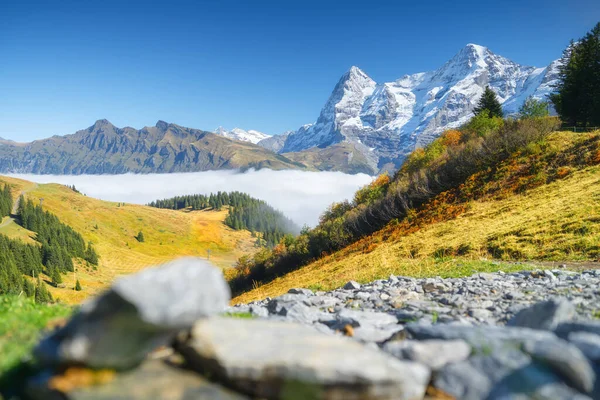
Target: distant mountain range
[
  {"x": 105, "y": 149},
  {"x": 364, "y": 126}
]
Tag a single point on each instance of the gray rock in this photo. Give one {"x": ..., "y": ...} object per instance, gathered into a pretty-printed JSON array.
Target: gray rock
[
  {"x": 306, "y": 364},
  {"x": 137, "y": 314},
  {"x": 323, "y": 301},
  {"x": 368, "y": 318},
  {"x": 481, "y": 338},
  {"x": 433, "y": 353},
  {"x": 507, "y": 375},
  {"x": 306, "y": 292},
  {"x": 258, "y": 311},
  {"x": 304, "y": 314},
  {"x": 566, "y": 359},
  {"x": 153, "y": 380},
  {"x": 544, "y": 315},
  {"x": 566, "y": 328},
  {"x": 480, "y": 313},
  {"x": 376, "y": 335},
  {"x": 352, "y": 285},
  {"x": 588, "y": 343}
]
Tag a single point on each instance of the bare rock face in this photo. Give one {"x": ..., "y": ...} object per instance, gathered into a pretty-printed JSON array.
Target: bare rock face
[
  {"x": 268, "y": 359},
  {"x": 138, "y": 314}
]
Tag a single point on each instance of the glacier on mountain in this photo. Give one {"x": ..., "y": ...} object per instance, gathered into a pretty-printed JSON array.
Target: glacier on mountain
[
  {"x": 251, "y": 136},
  {"x": 386, "y": 121}
]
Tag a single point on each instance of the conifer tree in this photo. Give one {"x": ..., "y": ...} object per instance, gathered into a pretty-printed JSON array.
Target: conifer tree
[
  {"x": 77, "y": 286},
  {"x": 55, "y": 276},
  {"x": 577, "y": 99},
  {"x": 140, "y": 237},
  {"x": 41, "y": 293},
  {"x": 489, "y": 101}
]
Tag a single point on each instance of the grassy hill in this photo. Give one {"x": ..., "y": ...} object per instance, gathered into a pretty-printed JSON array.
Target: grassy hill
[
  {"x": 540, "y": 203},
  {"x": 111, "y": 228}
]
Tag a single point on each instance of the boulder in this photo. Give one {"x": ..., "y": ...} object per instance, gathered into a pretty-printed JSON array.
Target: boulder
[
  {"x": 137, "y": 314},
  {"x": 152, "y": 380},
  {"x": 544, "y": 315},
  {"x": 275, "y": 360}
]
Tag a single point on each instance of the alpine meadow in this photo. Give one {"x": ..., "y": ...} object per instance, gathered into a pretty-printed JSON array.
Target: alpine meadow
[{"x": 317, "y": 219}]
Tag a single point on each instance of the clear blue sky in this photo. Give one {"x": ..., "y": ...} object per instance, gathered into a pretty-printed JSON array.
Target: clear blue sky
[{"x": 265, "y": 65}]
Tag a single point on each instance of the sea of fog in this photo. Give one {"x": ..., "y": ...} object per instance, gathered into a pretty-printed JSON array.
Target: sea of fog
[{"x": 300, "y": 195}]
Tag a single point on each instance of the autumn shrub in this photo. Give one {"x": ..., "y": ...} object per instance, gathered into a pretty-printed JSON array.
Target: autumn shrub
[{"x": 373, "y": 191}]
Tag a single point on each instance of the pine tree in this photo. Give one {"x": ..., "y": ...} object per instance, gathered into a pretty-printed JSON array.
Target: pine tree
[
  {"x": 489, "y": 101},
  {"x": 41, "y": 293},
  {"x": 55, "y": 276},
  {"x": 77, "y": 286},
  {"x": 577, "y": 99},
  {"x": 140, "y": 237},
  {"x": 90, "y": 255}
]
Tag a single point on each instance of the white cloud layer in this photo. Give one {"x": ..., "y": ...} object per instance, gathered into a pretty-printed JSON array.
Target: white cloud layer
[{"x": 300, "y": 195}]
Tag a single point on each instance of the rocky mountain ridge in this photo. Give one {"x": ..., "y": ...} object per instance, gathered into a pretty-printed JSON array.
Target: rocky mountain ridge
[
  {"x": 106, "y": 149},
  {"x": 386, "y": 121}
]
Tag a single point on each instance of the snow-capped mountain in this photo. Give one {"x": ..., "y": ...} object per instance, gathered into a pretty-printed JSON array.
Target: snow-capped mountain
[
  {"x": 386, "y": 121},
  {"x": 251, "y": 136}
]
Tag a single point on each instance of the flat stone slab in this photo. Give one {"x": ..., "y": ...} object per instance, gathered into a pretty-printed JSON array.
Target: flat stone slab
[
  {"x": 137, "y": 314},
  {"x": 152, "y": 380},
  {"x": 279, "y": 360}
]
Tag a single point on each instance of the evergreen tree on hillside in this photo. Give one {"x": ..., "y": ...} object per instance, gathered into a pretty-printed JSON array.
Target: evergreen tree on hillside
[
  {"x": 90, "y": 255},
  {"x": 6, "y": 202},
  {"x": 577, "y": 100},
  {"x": 140, "y": 237},
  {"x": 489, "y": 101},
  {"x": 41, "y": 293},
  {"x": 78, "y": 286}
]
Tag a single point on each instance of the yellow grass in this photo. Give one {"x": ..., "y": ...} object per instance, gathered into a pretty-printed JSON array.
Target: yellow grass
[
  {"x": 556, "y": 221},
  {"x": 168, "y": 235}
]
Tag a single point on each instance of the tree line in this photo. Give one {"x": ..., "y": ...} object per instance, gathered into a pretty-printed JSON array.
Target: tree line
[
  {"x": 577, "y": 99},
  {"x": 58, "y": 245},
  {"x": 6, "y": 201},
  {"x": 245, "y": 212}
]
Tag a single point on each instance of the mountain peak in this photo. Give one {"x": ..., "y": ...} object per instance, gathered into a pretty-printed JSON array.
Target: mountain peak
[
  {"x": 101, "y": 123},
  {"x": 162, "y": 125},
  {"x": 354, "y": 71},
  {"x": 471, "y": 52}
]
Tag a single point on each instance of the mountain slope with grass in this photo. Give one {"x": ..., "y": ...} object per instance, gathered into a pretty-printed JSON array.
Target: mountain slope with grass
[
  {"x": 112, "y": 227},
  {"x": 470, "y": 201}
]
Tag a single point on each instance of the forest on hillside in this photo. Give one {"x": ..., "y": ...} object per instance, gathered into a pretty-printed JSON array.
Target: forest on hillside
[
  {"x": 6, "y": 201},
  {"x": 21, "y": 264},
  {"x": 245, "y": 212}
]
